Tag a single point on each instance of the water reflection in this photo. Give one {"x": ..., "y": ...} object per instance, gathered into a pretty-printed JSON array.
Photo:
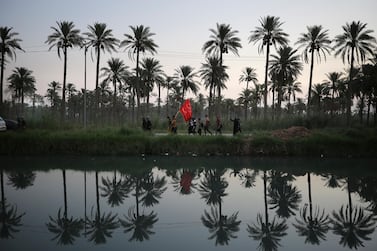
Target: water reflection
[
  {"x": 65, "y": 228},
  {"x": 140, "y": 204},
  {"x": 221, "y": 227},
  {"x": 10, "y": 218}
]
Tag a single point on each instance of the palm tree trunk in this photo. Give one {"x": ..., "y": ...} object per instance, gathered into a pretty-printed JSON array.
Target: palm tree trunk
[
  {"x": 369, "y": 103},
  {"x": 265, "y": 81},
  {"x": 137, "y": 85},
  {"x": 2, "y": 191},
  {"x": 2, "y": 75},
  {"x": 361, "y": 108},
  {"x": 114, "y": 99},
  {"x": 97, "y": 197},
  {"x": 310, "y": 82},
  {"x": 97, "y": 76},
  {"x": 349, "y": 88},
  {"x": 159, "y": 100},
  {"x": 273, "y": 103},
  {"x": 137, "y": 197},
  {"x": 62, "y": 111},
  {"x": 167, "y": 100}
]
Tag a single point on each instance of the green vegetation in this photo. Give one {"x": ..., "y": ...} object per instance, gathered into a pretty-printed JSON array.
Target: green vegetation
[{"x": 125, "y": 141}]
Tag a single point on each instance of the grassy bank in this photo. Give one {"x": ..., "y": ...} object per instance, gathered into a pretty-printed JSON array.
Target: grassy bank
[{"x": 326, "y": 142}]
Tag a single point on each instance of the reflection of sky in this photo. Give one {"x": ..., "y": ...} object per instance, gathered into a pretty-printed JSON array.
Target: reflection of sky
[{"x": 179, "y": 226}]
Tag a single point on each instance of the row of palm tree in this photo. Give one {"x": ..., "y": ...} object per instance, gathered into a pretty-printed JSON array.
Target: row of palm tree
[
  {"x": 352, "y": 223},
  {"x": 356, "y": 44}
]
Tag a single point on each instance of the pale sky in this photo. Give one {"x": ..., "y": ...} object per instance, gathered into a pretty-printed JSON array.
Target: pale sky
[{"x": 181, "y": 28}]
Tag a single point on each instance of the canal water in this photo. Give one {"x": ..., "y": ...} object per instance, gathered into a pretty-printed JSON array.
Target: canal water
[{"x": 187, "y": 203}]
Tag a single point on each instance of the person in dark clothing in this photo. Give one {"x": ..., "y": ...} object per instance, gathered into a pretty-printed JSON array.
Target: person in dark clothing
[
  {"x": 200, "y": 123},
  {"x": 236, "y": 125},
  {"x": 206, "y": 126},
  {"x": 169, "y": 124},
  {"x": 148, "y": 124},
  {"x": 174, "y": 125},
  {"x": 219, "y": 125}
]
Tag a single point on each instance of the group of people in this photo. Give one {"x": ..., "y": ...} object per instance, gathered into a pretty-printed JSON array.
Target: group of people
[{"x": 197, "y": 126}]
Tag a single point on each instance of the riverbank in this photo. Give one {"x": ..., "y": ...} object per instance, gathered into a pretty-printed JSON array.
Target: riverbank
[{"x": 125, "y": 142}]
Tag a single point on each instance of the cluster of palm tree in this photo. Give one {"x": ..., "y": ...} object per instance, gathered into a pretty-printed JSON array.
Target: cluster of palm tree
[{"x": 130, "y": 87}]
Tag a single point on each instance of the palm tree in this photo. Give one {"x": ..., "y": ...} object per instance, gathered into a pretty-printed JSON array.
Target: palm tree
[
  {"x": 249, "y": 75},
  {"x": 169, "y": 80},
  {"x": 116, "y": 73},
  {"x": 256, "y": 97},
  {"x": 269, "y": 33},
  {"x": 355, "y": 43},
  {"x": 222, "y": 40},
  {"x": 313, "y": 228},
  {"x": 100, "y": 38},
  {"x": 213, "y": 74},
  {"x": 320, "y": 91},
  {"x": 139, "y": 41},
  {"x": 315, "y": 40},
  {"x": 245, "y": 98},
  {"x": 334, "y": 78},
  {"x": 184, "y": 76},
  {"x": 22, "y": 82},
  {"x": 286, "y": 66},
  {"x": 268, "y": 233},
  {"x": 52, "y": 94},
  {"x": 291, "y": 89},
  {"x": 64, "y": 36},
  {"x": 9, "y": 43},
  {"x": 152, "y": 73}
]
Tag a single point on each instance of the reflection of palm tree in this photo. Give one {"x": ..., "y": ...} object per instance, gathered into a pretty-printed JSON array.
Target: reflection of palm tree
[
  {"x": 10, "y": 221},
  {"x": 284, "y": 197},
  {"x": 352, "y": 224},
  {"x": 313, "y": 228},
  {"x": 115, "y": 191},
  {"x": 141, "y": 225},
  {"x": 21, "y": 180},
  {"x": 268, "y": 233},
  {"x": 151, "y": 190},
  {"x": 332, "y": 181},
  {"x": 100, "y": 226},
  {"x": 248, "y": 178},
  {"x": 221, "y": 226},
  {"x": 65, "y": 229}
]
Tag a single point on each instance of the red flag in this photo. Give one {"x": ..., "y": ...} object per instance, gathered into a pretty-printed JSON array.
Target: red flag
[{"x": 186, "y": 110}]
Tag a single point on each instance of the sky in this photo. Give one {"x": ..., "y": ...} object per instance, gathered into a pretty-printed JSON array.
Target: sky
[{"x": 181, "y": 28}]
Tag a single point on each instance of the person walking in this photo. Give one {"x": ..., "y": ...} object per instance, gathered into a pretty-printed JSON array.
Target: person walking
[
  {"x": 206, "y": 126},
  {"x": 219, "y": 125}
]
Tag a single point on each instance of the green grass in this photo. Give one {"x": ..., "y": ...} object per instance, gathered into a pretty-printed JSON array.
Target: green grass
[{"x": 125, "y": 141}]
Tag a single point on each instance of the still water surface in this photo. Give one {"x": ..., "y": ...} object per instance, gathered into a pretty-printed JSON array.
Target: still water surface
[{"x": 181, "y": 203}]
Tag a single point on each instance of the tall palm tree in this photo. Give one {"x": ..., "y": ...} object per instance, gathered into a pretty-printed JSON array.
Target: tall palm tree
[
  {"x": 269, "y": 33},
  {"x": 116, "y": 73},
  {"x": 184, "y": 75},
  {"x": 334, "y": 78},
  {"x": 22, "y": 82},
  {"x": 64, "y": 36},
  {"x": 100, "y": 38},
  {"x": 222, "y": 40},
  {"x": 9, "y": 43},
  {"x": 152, "y": 73},
  {"x": 286, "y": 66},
  {"x": 356, "y": 43},
  {"x": 213, "y": 74},
  {"x": 315, "y": 40},
  {"x": 139, "y": 41},
  {"x": 249, "y": 75}
]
